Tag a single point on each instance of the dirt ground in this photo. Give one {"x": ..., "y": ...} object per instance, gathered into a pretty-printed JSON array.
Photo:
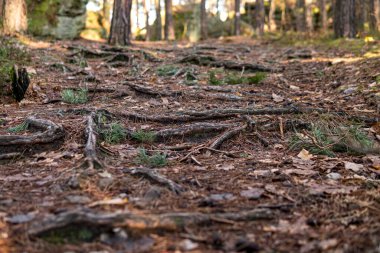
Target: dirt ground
[{"x": 251, "y": 193}]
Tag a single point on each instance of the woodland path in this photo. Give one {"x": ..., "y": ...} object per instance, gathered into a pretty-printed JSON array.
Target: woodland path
[{"x": 227, "y": 179}]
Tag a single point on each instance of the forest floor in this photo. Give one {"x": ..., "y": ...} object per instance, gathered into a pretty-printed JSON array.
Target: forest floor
[{"x": 182, "y": 148}]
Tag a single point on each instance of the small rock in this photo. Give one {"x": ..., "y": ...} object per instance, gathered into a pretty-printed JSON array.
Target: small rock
[
  {"x": 353, "y": 166},
  {"x": 187, "y": 245},
  {"x": 334, "y": 176},
  {"x": 252, "y": 194},
  {"x": 77, "y": 199},
  {"x": 105, "y": 183},
  {"x": 221, "y": 197}
]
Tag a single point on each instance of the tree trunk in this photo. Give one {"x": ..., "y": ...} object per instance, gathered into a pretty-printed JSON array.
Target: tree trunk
[
  {"x": 344, "y": 18},
  {"x": 106, "y": 16},
  {"x": 360, "y": 15},
  {"x": 374, "y": 15},
  {"x": 300, "y": 15},
  {"x": 146, "y": 4},
  {"x": 271, "y": 19},
  {"x": 323, "y": 12},
  {"x": 169, "y": 27},
  {"x": 203, "y": 20},
  {"x": 13, "y": 16},
  {"x": 309, "y": 16},
  {"x": 121, "y": 23},
  {"x": 260, "y": 17},
  {"x": 158, "y": 20},
  {"x": 237, "y": 17}
]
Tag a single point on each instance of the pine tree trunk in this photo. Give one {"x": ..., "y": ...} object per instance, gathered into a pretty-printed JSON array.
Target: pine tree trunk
[
  {"x": 309, "y": 16},
  {"x": 158, "y": 20},
  {"x": 169, "y": 27},
  {"x": 237, "y": 18},
  {"x": 344, "y": 18},
  {"x": 146, "y": 11},
  {"x": 13, "y": 16},
  {"x": 374, "y": 15},
  {"x": 271, "y": 19},
  {"x": 203, "y": 20},
  {"x": 323, "y": 11},
  {"x": 300, "y": 16},
  {"x": 260, "y": 17},
  {"x": 121, "y": 23}
]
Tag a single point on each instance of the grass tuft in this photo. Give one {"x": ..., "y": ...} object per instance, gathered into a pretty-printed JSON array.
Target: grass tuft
[
  {"x": 75, "y": 97},
  {"x": 167, "y": 70},
  {"x": 144, "y": 137},
  {"x": 19, "y": 128},
  {"x": 155, "y": 160},
  {"x": 115, "y": 134},
  {"x": 234, "y": 79}
]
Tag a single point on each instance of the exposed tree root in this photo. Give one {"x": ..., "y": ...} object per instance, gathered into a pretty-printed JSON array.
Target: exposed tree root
[
  {"x": 92, "y": 160},
  {"x": 193, "y": 129},
  {"x": 143, "y": 222},
  {"x": 204, "y": 60},
  {"x": 227, "y": 135},
  {"x": 9, "y": 156},
  {"x": 154, "y": 176},
  {"x": 152, "y": 92},
  {"x": 52, "y": 132}
]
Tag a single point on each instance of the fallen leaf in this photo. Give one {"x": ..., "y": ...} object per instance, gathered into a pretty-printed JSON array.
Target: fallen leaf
[
  {"x": 353, "y": 166},
  {"x": 305, "y": 155},
  {"x": 277, "y": 98}
]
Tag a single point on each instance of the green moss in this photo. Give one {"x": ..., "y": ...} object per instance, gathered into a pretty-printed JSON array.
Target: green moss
[
  {"x": 234, "y": 79},
  {"x": 71, "y": 234}
]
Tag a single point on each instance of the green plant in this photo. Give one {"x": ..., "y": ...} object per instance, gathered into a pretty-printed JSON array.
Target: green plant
[
  {"x": 19, "y": 128},
  {"x": 167, "y": 70},
  {"x": 378, "y": 79},
  {"x": 143, "y": 136},
  {"x": 233, "y": 79},
  {"x": 213, "y": 80},
  {"x": 70, "y": 234},
  {"x": 257, "y": 78},
  {"x": 155, "y": 160},
  {"x": 75, "y": 97},
  {"x": 115, "y": 133},
  {"x": 328, "y": 136}
]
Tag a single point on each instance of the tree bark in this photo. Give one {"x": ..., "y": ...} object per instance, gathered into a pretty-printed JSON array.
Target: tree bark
[
  {"x": 146, "y": 4},
  {"x": 13, "y": 16},
  {"x": 271, "y": 18},
  {"x": 323, "y": 13},
  {"x": 204, "y": 34},
  {"x": 169, "y": 26},
  {"x": 158, "y": 20},
  {"x": 374, "y": 15},
  {"x": 300, "y": 16},
  {"x": 344, "y": 18},
  {"x": 237, "y": 18},
  {"x": 260, "y": 17},
  {"x": 309, "y": 16},
  {"x": 121, "y": 23}
]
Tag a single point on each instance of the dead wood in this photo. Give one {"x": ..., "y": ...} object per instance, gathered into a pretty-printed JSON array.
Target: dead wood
[
  {"x": 151, "y": 91},
  {"x": 20, "y": 82},
  {"x": 92, "y": 160},
  {"x": 193, "y": 129},
  {"x": 51, "y": 132},
  {"x": 143, "y": 222},
  {"x": 207, "y": 60},
  {"x": 10, "y": 156},
  {"x": 154, "y": 176},
  {"x": 226, "y": 136}
]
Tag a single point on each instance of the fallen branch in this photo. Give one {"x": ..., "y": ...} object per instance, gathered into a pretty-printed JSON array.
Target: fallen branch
[
  {"x": 154, "y": 176},
  {"x": 142, "y": 222},
  {"x": 206, "y": 60},
  {"x": 92, "y": 160},
  {"x": 226, "y": 136},
  {"x": 52, "y": 132}
]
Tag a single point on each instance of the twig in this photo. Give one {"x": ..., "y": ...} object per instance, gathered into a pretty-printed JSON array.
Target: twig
[{"x": 225, "y": 136}]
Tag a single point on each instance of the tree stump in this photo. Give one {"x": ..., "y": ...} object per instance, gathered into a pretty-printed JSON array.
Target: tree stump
[{"x": 20, "y": 82}]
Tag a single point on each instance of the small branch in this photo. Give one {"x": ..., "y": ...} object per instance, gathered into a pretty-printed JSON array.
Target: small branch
[
  {"x": 154, "y": 176},
  {"x": 226, "y": 136},
  {"x": 92, "y": 160}
]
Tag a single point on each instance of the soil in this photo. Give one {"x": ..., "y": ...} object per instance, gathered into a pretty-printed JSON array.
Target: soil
[{"x": 311, "y": 210}]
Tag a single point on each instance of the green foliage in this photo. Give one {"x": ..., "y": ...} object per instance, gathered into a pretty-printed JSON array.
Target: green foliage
[
  {"x": 378, "y": 79},
  {"x": 116, "y": 133},
  {"x": 233, "y": 79},
  {"x": 75, "y": 97},
  {"x": 327, "y": 137},
  {"x": 143, "y": 136},
  {"x": 155, "y": 160},
  {"x": 19, "y": 128},
  {"x": 167, "y": 70},
  {"x": 71, "y": 234}
]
